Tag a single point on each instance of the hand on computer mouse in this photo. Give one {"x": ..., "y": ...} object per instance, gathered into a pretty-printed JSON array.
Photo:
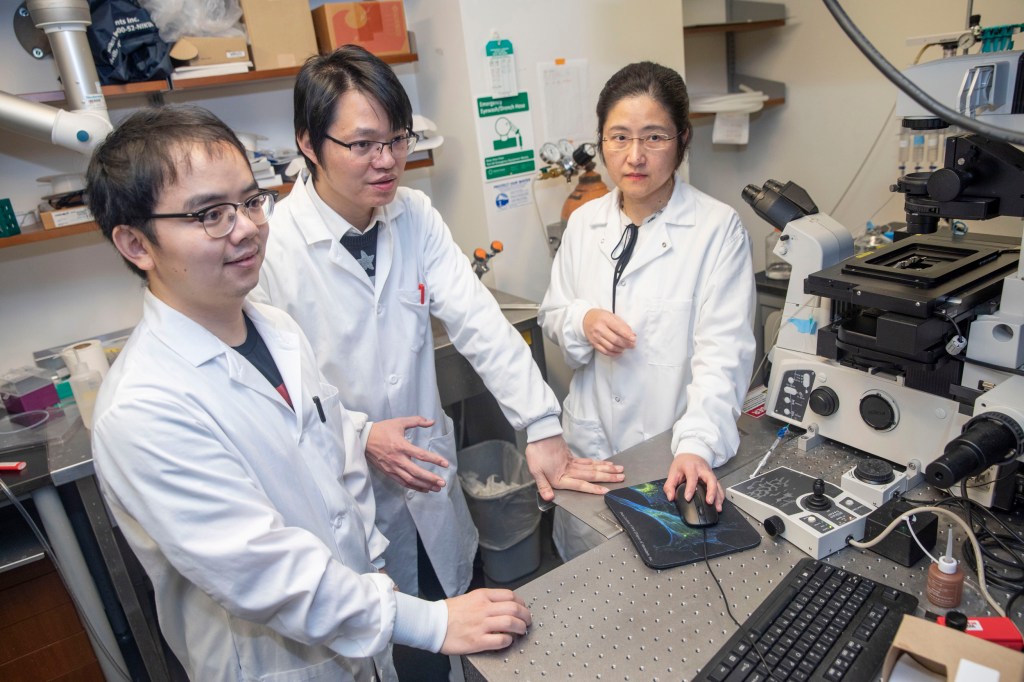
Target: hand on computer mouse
[{"x": 689, "y": 468}]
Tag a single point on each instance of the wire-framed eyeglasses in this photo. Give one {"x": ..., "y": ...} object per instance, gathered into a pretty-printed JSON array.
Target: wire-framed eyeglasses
[
  {"x": 654, "y": 142},
  {"x": 219, "y": 219},
  {"x": 401, "y": 146}
]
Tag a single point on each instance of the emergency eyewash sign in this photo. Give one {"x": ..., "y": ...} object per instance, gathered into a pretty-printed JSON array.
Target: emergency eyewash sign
[{"x": 505, "y": 133}]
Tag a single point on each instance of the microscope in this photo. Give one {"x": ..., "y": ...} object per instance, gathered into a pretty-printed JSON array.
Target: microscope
[{"x": 913, "y": 352}]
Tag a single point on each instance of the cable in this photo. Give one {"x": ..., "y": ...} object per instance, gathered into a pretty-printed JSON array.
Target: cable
[
  {"x": 48, "y": 550},
  {"x": 885, "y": 124},
  {"x": 770, "y": 346},
  {"x": 910, "y": 88},
  {"x": 910, "y": 528},
  {"x": 725, "y": 600},
  {"x": 543, "y": 227},
  {"x": 953, "y": 517}
]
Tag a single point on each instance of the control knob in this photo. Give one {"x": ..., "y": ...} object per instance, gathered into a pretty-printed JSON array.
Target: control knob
[{"x": 824, "y": 401}]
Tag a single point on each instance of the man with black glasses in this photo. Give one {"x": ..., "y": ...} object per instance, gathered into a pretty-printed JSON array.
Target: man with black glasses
[
  {"x": 362, "y": 264},
  {"x": 231, "y": 466}
]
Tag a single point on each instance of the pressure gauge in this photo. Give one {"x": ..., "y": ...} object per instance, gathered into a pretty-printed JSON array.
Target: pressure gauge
[
  {"x": 566, "y": 148},
  {"x": 549, "y": 153}
]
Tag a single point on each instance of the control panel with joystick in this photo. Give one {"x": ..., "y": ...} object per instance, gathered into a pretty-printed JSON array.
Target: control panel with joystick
[{"x": 816, "y": 516}]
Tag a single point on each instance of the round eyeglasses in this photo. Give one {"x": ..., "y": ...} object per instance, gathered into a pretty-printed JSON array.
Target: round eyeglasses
[
  {"x": 655, "y": 142},
  {"x": 219, "y": 219},
  {"x": 401, "y": 146}
]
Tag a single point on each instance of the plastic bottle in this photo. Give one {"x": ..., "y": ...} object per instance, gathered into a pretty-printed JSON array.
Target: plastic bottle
[
  {"x": 85, "y": 384},
  {"x": 945, "y": 579}
]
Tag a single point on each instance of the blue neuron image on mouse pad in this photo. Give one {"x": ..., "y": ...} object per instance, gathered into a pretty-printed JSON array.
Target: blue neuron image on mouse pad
[{"x": 661, "y": 537}]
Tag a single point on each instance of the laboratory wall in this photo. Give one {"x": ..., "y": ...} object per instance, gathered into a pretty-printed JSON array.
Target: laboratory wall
[{"x": 836, "y": 134}]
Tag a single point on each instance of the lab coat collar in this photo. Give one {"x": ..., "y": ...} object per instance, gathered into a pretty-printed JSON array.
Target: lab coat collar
[
  {"x": 198, "y": 345},
  {"x": 680, "y": 212},
  {"x": 312, "y": 218}
]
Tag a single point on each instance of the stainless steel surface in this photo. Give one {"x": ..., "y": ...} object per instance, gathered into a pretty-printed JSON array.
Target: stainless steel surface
[
  {"x": 456, "y": 378},
  {"x": 606, "y": 615}
]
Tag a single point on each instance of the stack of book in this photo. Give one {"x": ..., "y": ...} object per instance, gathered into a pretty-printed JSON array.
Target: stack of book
[{"x": 264, "y": 172}]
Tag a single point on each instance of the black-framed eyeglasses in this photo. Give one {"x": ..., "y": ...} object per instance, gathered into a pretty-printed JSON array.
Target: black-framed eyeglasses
[
  {"x": 401, "y": 146},
  {"x": 654, "y": 142},
  {"x": 219, "y": 219}
]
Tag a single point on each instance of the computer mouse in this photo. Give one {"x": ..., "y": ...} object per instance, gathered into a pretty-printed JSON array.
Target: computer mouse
[{"x": 696, "y": 513}]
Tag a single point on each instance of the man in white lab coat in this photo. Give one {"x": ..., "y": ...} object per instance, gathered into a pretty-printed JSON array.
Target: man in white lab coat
[
  {"x": 362, "y": 264},
  {"x": 231, "y": 466}
]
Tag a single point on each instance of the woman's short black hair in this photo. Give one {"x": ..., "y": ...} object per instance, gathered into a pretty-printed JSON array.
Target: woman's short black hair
[
  {"x": 660, "y": 83},
  {"x": 322, "y": 81},
  {"x": 144, "y": 155}
]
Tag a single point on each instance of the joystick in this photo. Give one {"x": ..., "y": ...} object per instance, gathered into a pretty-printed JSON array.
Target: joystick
[{"x": 818, "y": 501}]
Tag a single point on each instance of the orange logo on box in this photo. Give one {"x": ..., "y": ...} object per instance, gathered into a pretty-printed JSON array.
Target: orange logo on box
[{"x": 379, "y": 27}]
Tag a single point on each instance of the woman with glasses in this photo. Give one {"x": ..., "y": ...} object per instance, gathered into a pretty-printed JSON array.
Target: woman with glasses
[
  {"x": 651, "y": 299},
  {"x": 362, "y": 264}
]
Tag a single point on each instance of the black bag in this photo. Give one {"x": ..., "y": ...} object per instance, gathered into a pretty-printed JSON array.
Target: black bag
[{"x": 126, "y": 44}]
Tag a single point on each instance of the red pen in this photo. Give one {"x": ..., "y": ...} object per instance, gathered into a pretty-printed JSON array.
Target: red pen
[
  {"x": 12, "y": 466},
  {"x": 423, "y": 294}
]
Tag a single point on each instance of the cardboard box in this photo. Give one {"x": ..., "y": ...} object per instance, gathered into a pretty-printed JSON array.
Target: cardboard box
[
  {"x": 955, "y": 655},
  {"x": 280, "y": 32},
  {"x": 206, "y": 51},
  {"x": 65, "y": 217},
  {"x": 379, "y": 26}
]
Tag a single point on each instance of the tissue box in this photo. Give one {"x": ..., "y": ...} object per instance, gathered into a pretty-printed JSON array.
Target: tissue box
[
  {"x": 952, "y": 655},
  {"x": 378, "y": 26},
  {"x": 27, "y": 388},
  {"x": 280, "y": 32}
]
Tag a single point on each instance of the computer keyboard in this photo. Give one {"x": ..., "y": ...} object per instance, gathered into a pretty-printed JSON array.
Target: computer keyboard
[{"x": 821, "y": 623}]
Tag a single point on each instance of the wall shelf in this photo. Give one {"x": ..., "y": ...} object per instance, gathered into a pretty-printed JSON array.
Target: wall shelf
[
  {"x": 36, "y": 233},
  {"x": 163, "y": 87},
  {"x": 775, "y": 90}
]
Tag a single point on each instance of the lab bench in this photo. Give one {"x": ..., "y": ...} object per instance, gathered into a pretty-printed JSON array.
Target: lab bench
[
  {"x": 59, "y": 472},
  {"x": 607, "y": 615}
]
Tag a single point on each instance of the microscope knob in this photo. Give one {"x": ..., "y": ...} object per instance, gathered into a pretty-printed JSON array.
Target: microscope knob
[
  {"x": 877, "y": 412},
  {"x": 773, "y": 525},
  {"x": 946, "y": 184},
  {"x": 824, "y": 401}
]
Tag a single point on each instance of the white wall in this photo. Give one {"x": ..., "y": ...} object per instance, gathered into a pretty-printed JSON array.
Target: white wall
[{"x": 836, "y": 105}]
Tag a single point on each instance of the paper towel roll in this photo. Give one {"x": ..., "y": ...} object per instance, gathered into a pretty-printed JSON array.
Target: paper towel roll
[{"x": 87, "y": 352}]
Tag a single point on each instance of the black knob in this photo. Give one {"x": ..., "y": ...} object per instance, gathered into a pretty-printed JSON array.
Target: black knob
[
  {"x": 824, "y": 401},
  {"x": 956, "y": 620},
  {"x": 818, "y": 501},
  {"x": 875, "y": 471},
  {"x": 773, "y": 525},
  {"x": 946, "y": 184},
  {"x": 877, "y": 412}
]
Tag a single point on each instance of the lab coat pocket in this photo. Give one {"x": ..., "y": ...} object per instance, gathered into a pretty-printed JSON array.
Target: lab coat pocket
[
  {"x": 415, "y": 317},
  {"x": 585, "y": 437},
  {"x": 444, "y": 445},
  {"x": 666, "y": 334}
]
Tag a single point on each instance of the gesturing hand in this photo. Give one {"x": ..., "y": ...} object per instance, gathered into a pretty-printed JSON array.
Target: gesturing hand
[{"x": 388, "y": 450}]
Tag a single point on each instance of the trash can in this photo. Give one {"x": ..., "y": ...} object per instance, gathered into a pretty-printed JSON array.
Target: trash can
[{"x": 502, "y": 499}]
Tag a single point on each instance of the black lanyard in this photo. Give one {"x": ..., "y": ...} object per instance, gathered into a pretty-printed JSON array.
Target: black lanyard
[{"x": 625, "y": 251}]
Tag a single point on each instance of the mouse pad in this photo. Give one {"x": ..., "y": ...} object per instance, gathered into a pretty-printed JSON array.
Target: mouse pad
[{"x": 661, "y": 537}]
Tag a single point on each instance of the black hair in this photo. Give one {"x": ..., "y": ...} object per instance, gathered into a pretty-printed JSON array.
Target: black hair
[
  {"x": 322, "y": 81},
  {"x": 660, "y": 83},
  {"x": 144, "y": 155}
]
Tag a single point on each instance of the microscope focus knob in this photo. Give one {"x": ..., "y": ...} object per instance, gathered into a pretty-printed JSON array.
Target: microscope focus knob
[
  {"x": 773, "y": 525},
  {"x": 946, "y": 184},
  {"x": 878, "y": 412},
  {"x": 824, "y": 401}
]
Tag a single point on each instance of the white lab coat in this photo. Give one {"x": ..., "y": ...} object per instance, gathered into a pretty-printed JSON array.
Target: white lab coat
[
  {"x": 374, "y": 341},
  {"x": 247, "y": 516},
  {"x": 688, "y": 293}
]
